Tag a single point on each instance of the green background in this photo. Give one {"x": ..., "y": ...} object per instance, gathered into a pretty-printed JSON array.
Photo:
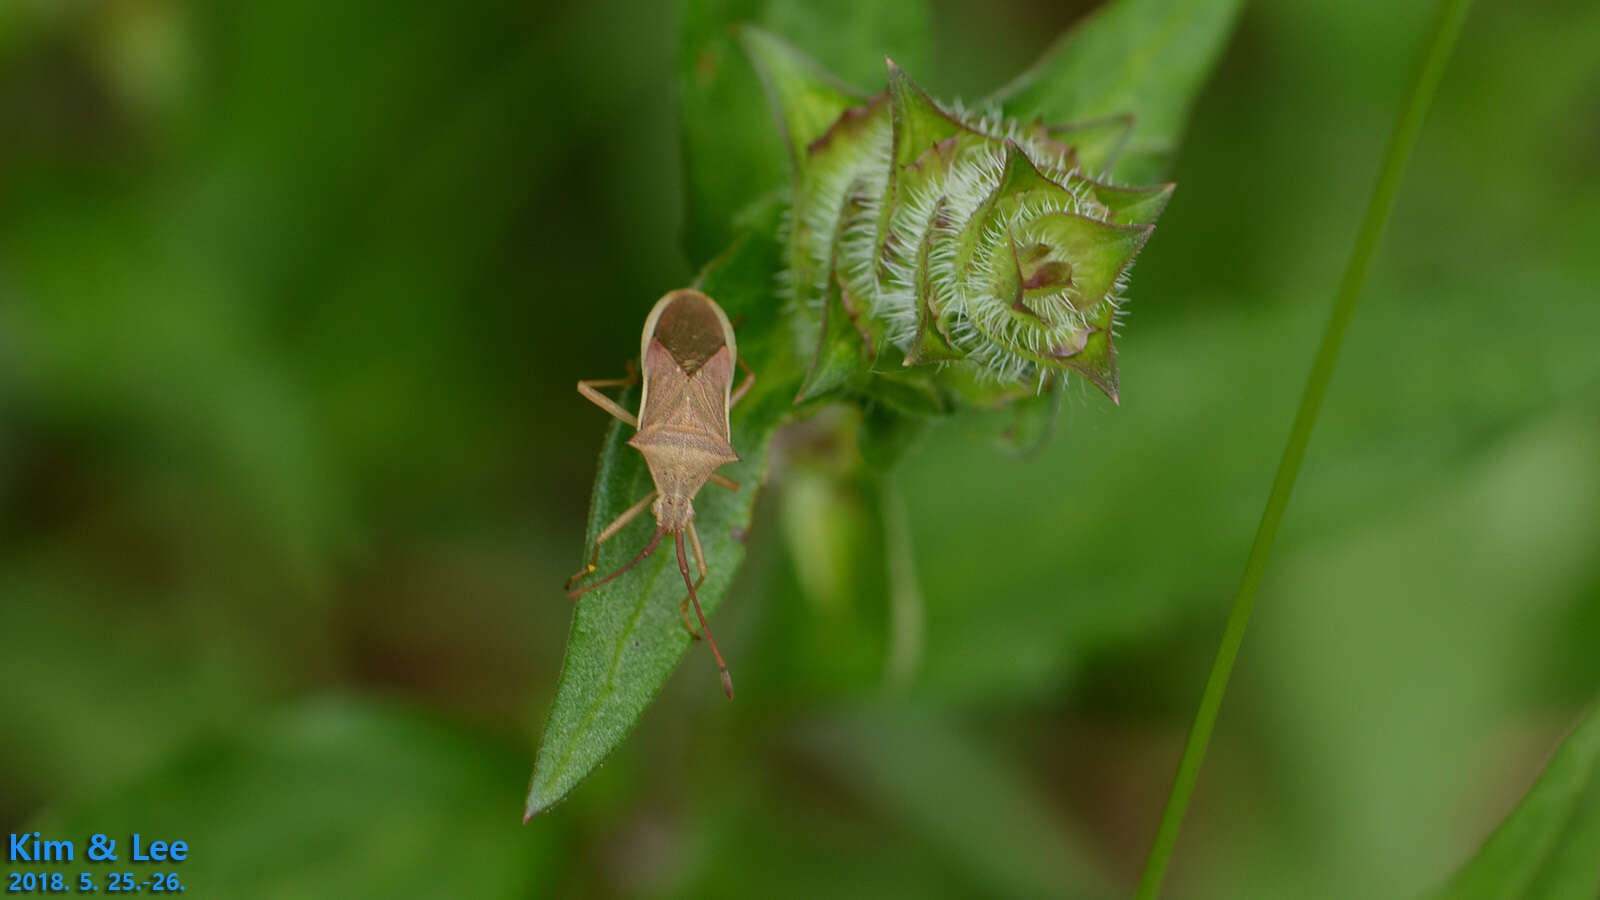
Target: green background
[{"x": 292, "y": 299}]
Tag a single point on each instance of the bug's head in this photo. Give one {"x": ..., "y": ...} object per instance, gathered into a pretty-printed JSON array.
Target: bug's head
[
  {"x": 690, "y": 326},
  {"x": 673, "y": 513}
]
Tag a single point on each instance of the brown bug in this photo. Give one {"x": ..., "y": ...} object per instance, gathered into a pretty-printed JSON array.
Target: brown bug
[{"x": 688, "y": 353}]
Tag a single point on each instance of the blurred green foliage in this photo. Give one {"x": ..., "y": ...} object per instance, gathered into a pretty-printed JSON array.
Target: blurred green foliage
[
  {"x": 332, "y": 797},
  {"x": 292, "y": 297}
]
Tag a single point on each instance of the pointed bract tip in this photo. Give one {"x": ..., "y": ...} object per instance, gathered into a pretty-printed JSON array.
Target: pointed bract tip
[{"x": 529, "y": 813}]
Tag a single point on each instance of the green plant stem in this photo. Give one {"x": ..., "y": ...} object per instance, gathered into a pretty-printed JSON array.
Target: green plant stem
[{"x": 1441, "y": 40}]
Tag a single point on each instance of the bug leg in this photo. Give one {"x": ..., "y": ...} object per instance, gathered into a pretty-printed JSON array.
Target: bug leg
[
  {"x": 744, "y": 386},
  {"x": 723, "y": 481},
  {"x": 609, "y": 532},
  {"x": 700, "y": 564},
  {"x": 683, "y": 610},
  {"x": 699, "y": 554},
  {"x": 683, "y": 567},
  {"x": 588, "y": 388},
  {"x": 643, "y": 555}
]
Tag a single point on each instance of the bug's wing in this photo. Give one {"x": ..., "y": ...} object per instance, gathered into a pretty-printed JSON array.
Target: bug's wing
[
  {"x": 709, "y": 389},
  {"x": 683, "y": 428},
  {"x": 664, "y": 383},
  {"x": 696, "y": 403}
]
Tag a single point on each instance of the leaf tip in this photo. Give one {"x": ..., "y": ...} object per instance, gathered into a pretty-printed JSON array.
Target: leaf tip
[
  {"x": 533, "y": 807},
  {"x": 542, "y": 797}
]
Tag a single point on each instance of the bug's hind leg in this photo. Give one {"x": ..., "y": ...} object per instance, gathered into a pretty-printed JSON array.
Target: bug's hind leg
[
  {"x": 744, "y": 386},
  {"x": 589, "y": 389},
  {"x": 700, "y": 564},
  {"x": 609, "y": 532}
]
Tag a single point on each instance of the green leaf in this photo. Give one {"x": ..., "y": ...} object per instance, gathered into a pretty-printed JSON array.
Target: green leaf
[
  {"x": 1097, "y": 142},
  {"x": 1549, "y": 847},
  {"x": 628, "y": 635},
  {"x": 839, "y": 352},
  {"x": 840, "y": 348},
  {"x": 1096, "y": 361},
  {"x": 919, "y": 123},
  {"x": 1144, "y": 57},
  {"x": 336, "y": 797},
  {"x": 1133, "y": 205},
  {"x": 807, "y": 98},
  {"x": 732, "y": 153}
]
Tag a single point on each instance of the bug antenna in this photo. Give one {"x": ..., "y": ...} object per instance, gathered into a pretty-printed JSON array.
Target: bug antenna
[
  {"x": 648, "y": 549},
  {"x": 722, "y": 666}
]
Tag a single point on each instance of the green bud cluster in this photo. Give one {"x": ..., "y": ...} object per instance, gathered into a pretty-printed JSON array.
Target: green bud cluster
[{"x": 922, "y": 234}]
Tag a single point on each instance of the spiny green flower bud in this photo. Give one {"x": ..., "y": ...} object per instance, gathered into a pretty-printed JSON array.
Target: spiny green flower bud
[{"x": 924, "y": 235}]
